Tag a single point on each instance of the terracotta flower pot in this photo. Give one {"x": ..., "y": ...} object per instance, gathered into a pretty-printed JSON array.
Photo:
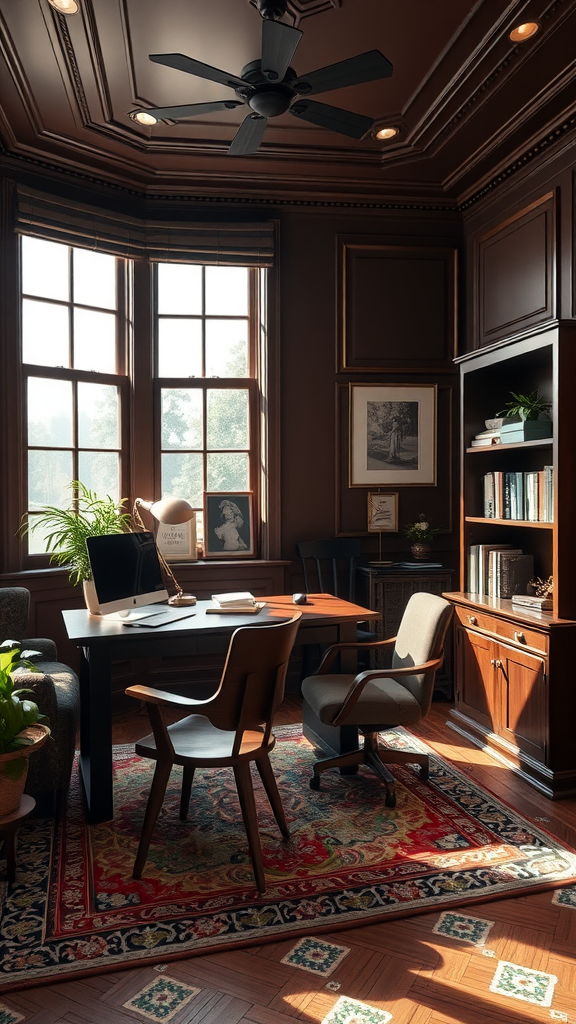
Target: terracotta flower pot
[{"x": 13, "y": 773}]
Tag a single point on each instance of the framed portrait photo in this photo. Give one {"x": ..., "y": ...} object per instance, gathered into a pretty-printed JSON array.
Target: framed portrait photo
[
  {"x": 392, "y": 435},
  {"x": 178, "y": 543},
  {"x": 228, "y": 525},
  {"x": 382, "y": 512}
]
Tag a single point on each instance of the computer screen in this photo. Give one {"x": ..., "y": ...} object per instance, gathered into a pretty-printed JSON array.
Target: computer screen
[{"x": 126, "y": 571}]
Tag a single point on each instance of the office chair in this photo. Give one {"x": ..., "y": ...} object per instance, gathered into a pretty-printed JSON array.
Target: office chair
[
  {"x": 229, "y": 729},
  {"x": 380, "y": 699}
]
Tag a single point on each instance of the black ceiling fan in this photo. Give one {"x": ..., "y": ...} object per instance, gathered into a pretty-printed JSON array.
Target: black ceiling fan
[{"x": 269, "y": 85}]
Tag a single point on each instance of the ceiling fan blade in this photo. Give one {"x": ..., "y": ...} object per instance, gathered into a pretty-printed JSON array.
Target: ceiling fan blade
[
  {"x": 337, "y": 120},
  {"x": 190, "y": 109},
  {"x": 180, "y": 62},
  {"x": 366, "y": 67},
  {"x": 279, "y": 44},
  {"x": 249, "y": 135}
]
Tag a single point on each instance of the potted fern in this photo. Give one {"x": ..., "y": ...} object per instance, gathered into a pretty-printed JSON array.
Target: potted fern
[
  {"x": 23, "y": 729},
  {"x": 66, "y": 531},
  {"x": 535, "y": 422}
]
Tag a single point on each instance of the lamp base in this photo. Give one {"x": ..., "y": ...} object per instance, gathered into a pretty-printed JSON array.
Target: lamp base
[{"x": 181, "y": 600}]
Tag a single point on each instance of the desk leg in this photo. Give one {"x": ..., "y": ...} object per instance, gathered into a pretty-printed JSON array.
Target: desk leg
[
  {"x": 342, "y": 739},
  {"x": 96, "y": 734}
]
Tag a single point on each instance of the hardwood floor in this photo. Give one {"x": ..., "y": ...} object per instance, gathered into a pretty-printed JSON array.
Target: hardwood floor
[{"x": 400, "y": 967}]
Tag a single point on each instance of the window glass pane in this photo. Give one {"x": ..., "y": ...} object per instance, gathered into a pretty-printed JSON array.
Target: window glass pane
[
  {"x": 182, "y": 476},
  {"x": 100, "y": 472},
  {"x": 228, "y": 471},
  {"x": 94, "y": 278},
  {"x": 50, "y": 412},
  {"x": 45, "y": 268},
  {"x": 45, "y": 334},
  {"x": 49, "y": 478},
  {"x": 179, "y": 348},
  {"x": 179, "y": 288},
  {"x": 98, "y": 416},
  {"x": 94, "y": 341},
  {"x": 226, "y": 348},
  {"x": 227, "y": 291},
  {"x": 181, "y": 418},
  {"x": 227, "y": 419}
]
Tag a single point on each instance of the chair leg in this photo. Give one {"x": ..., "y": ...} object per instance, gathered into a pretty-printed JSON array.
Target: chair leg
[
  {"x": 155, "y": 801},
  {"x": 248, "y": 808},
  {"x": 269, "y": 781},
  {"x": 353, "y": 757},
  {"x": 187, "y": 779},
  {"x": 406, "y": 757}
]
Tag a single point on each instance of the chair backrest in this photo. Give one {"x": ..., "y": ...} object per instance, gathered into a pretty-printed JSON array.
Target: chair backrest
[
  {"x": 329, "y": 566},
  {"x": 14, "y": 612},
  {"x": 420, "y": 638},
  {"x": 253, "y": 678}
]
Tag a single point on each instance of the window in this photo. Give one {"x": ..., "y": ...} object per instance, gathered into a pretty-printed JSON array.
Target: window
[{"x": 73, "y": 333}]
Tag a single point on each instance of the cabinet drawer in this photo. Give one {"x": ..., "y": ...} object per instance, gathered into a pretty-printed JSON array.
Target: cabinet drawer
[
  {"x": 476, "y": 620},
  {"x": 517, "y": 634}
]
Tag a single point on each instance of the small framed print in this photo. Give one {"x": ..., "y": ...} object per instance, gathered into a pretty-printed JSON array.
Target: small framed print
[
  {"x": 228, "y": 525},
  {"x": 382, "y": 512},
  {"x": 392, "y": 435},
  {"x": 178, "y": 543}
]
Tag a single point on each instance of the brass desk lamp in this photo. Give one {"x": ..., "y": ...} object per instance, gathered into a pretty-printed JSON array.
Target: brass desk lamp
[{"x": 171, "y": 512}]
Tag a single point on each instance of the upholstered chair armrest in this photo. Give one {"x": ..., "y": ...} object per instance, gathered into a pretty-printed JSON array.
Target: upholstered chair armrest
[
  {"x": 149, "y": 695},
  {"x": 332, "y": 652},
  {"x": 47, "y": 648},
  {"x": 364, "y": 678}
]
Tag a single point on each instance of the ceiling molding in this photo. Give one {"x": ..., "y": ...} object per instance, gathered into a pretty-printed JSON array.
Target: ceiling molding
[{"x": 298, "y": 10}]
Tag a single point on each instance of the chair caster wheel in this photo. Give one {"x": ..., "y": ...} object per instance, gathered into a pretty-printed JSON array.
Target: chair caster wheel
[
  {"x": 390, "y": 800},
  {"x": 315, "y": 782}
]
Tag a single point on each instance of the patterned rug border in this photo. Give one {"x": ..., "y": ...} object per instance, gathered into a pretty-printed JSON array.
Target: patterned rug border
[{"x": 348, "y": 908}]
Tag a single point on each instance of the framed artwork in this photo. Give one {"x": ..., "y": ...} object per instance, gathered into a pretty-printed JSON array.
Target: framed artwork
[
  {"x": 228, "y": 525},
  {"x": 177, "y": 543},
  {"x": 382, "y": 512},
  {"x": 392, "y": 435}
]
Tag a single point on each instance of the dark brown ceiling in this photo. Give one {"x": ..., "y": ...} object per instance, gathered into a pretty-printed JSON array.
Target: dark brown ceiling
[{"x": 468, "y": 101}]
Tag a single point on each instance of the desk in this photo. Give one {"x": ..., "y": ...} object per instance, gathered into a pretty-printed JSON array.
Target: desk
[{"x": 325, "y": 620}]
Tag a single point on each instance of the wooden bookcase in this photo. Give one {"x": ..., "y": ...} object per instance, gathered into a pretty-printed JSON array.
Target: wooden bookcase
[{"x": 514, "y": 686}]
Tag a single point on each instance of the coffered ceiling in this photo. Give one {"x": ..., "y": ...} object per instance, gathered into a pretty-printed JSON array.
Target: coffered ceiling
[{"x": 467, "y": 101}]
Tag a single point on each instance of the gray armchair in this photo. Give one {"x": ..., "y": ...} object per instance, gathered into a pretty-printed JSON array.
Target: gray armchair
[
  {"x": 55, "y": 690},
  {"x": 381, "y": 699}
]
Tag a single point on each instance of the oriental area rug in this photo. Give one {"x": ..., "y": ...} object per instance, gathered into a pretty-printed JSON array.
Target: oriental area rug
[{"x": 75, "y": 909}]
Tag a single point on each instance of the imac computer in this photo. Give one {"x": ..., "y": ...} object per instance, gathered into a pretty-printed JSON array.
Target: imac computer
[{"x": 126, "y": 572}]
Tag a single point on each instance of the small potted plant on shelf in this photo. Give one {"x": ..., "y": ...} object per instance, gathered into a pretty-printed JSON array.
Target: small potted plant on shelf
[
  {"x": 535, "y": 423},
  {"x": 23, "y": 729},
  {"x": 67, "y": 530},
  {"x": 420, "y": 534}
]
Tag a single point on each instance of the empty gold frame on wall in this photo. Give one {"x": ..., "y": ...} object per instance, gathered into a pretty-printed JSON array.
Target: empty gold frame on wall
[{"x": 170, "y": 512}]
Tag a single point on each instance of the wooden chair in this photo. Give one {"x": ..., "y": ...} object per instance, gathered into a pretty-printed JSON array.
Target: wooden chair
[
  {"x": 229, "y": 729},
  {"x": 383, "y": 698}
]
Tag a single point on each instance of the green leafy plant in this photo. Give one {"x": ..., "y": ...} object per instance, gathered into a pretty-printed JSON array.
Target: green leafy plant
[
  {"x": 67, "y": 529},
  {"x": 527, "y": 407},
  {"x": 16, "y": 713},
  {"x": 420, "y": 531}
]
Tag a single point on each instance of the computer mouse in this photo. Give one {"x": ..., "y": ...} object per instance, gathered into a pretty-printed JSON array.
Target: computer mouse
[{"x": 299, "y": 599}]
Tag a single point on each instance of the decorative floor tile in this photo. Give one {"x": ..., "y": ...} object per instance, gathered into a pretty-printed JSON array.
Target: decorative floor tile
[
  {"x": 565, "y": 897},
  {"x": 463, "y": 927},
  {"x": 161, "y": 999},
  {"x": 523, "y": 983},
  {"x": 350, "y": 1011},
  {"x": 8, "y": 1016},
  {"x": 316, "y": 956}
]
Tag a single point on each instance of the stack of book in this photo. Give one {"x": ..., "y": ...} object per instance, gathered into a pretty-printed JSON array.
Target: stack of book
[
  {"x": 237, "y": 603},
  {"x": 524, "y": 496},
  {"x": 491, "y": 435},
  {"x": 533, "y": 604},
  {"x": 499, "y": 570}
]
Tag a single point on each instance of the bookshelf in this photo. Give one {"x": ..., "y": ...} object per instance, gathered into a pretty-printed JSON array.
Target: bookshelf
[{"x": 513, "y": 666}]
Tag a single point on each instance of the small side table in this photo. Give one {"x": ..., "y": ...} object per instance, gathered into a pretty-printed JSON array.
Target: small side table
[{"x": 8, "y": 826}]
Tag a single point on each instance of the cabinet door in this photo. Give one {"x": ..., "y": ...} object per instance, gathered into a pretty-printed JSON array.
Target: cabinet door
[
  {"x": 521, "y": 677},
  {"x": 476, "y": 695}
]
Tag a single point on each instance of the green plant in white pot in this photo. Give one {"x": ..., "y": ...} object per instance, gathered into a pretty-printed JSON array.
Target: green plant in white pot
[
  {"x": 66, "y": 530},
  {"x": 23, "y": 729}
]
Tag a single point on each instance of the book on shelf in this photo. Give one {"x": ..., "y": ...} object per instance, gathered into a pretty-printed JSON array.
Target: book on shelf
[
  {"x": 525, "y": 496},
  {"x": 484, "y": 442},
  {"x": 535, "y": 604},
  {"x": 498, "y": 570},
  {"x": 514, "y": 572},
  {"x": 497, "y": 559},
  {"x": 478, "y": 566}
]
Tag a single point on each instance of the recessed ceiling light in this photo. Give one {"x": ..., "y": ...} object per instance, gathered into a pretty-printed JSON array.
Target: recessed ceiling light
[
  {"x": 64, "y": 6},
  {"x": 387, "y": 133},
  {"x": 143, "y": 117},
  {"x": 523, "y": 32}
]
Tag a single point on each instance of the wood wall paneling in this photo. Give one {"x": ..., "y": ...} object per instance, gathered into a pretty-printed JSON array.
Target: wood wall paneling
[{"x": 516, "y": 278}]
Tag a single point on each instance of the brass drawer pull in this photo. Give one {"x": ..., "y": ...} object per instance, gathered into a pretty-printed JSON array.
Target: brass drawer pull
[
  {"x": 472, "y": 620},
  {"x": 519, "y": 637}
]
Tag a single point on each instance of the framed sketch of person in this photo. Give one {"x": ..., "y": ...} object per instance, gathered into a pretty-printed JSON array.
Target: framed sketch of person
[
  {"x": 382, "y": 512},
  {"x": 228, "y": 525},
  {"x": 392, "y": 435}
]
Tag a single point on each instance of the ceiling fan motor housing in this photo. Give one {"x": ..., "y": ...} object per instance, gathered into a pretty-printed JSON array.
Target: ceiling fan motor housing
[
  {"x": 272, "y": 10},
  {"x": 266, "y": 98}
]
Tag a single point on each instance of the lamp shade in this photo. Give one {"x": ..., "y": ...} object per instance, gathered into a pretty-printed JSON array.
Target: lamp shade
[{"x": 171, "y": 511}]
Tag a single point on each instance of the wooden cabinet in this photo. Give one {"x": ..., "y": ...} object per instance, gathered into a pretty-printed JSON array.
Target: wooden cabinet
[{"x": 514, "y": 690}]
